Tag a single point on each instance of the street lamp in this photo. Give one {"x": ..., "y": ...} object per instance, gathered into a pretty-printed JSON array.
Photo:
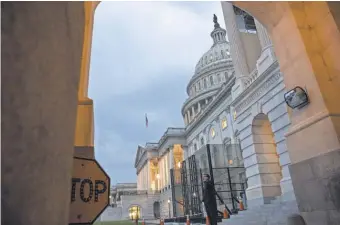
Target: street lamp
[{"x": 169, "y": 207}]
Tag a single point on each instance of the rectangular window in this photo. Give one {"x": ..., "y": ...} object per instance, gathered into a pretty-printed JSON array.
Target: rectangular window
[
  {"x": 211, "y": 80},
  {"x": 224, "y": 123}
]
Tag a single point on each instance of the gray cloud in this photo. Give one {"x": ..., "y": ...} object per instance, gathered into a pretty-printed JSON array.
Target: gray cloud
[{"x": 143, "y": 55}]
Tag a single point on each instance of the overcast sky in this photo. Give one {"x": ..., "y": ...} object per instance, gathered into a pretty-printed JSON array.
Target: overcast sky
[{"x": 143, "y": 55}]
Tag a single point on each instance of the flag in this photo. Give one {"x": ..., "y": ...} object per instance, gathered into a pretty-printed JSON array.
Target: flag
[{"x": 146, "y": 120}]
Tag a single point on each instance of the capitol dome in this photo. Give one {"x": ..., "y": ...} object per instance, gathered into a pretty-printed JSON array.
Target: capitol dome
[{"x": 212, "y": 70}]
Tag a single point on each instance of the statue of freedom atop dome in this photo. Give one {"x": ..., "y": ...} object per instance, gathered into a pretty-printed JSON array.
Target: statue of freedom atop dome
[{"x": 216, "y": 24}]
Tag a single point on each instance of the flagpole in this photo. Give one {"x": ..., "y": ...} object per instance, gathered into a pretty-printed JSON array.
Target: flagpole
[{"x": 146, "y": 120}]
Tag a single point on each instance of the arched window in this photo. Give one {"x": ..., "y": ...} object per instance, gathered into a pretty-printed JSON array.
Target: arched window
[
  {"x": 205, "y": 83},
  {"x": 218, "y": 78},
  {"x": 202, "y": 141},
  {"x": 222, "y": 53},
  {"x": 199, "y": 86},
  {"x": 224, "y": 123},
  {"x": 211, "y": 80}
]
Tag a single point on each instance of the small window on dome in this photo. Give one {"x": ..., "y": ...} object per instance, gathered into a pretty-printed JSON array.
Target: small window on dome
[
  {"x": 226, "y": 76},
  {"x": 218, "y": 78},
  {"x": 205, "y": 83},
  {"x": 222, "y": 53},
  {"x": 206, "y": 59},
  {"x": 199, "y": 86},
  {"x": 211, "y": 58},
  {"x": 211, "y": 80},
  {"x": 228, "y": 53}
]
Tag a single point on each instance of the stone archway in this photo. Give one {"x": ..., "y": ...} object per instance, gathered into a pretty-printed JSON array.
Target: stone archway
[
  {"x": 156, "y": 210},
  {"x": 45, "y": 68},
  {"x": 135, "y": 212},
  {"x": 265, "y": 168}
]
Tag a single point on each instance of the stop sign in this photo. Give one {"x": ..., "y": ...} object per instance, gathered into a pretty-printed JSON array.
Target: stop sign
[{"x": 90, "y": 191}]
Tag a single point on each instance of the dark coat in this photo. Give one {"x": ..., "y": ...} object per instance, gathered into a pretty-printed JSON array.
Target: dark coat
[{"x": 209, "y": 193}]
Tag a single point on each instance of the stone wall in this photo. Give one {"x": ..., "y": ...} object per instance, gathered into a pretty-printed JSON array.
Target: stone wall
[
  {"x": 266, "y": 98},
  {"x": 111, "y": 214}
]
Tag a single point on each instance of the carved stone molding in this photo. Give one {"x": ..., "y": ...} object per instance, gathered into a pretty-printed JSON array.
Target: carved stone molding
[{"x": 257, "y": 92}]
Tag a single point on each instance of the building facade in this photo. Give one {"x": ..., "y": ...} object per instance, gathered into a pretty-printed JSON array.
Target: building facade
[{"x": 235, "y": 101}]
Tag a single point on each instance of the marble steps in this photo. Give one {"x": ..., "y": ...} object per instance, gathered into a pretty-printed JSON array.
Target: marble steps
[{"x": 270, "y": 214}]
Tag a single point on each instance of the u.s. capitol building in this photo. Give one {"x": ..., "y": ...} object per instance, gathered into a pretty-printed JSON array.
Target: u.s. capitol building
[{"x": 235, "y": 103}]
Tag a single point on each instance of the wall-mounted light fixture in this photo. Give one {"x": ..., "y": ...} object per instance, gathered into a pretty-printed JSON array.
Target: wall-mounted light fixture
[{"x": 296, "y": 97}]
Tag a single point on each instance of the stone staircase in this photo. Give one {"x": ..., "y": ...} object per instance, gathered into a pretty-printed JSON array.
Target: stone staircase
[
  {"x": 148, "y": 212},
  {"x": 275, "y": 213}
]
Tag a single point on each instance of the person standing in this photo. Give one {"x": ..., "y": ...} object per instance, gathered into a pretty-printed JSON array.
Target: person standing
[{"x": 209, "y": 199}]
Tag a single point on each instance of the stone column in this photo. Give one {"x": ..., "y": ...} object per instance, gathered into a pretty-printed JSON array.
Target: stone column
[
  {"x": 262, "y": 35},
  {"x": 236, "y": 48},
  {"x": 41, "y": 56},
  {"x": 267, "y": 56},
  {"x": 186, "y": 119},
  {"x": 199, "y": 107},
  {"x": 193, "y": 112},
  {"x": 171, "y": 153},
  {"x": 185, "y": 151},
  {"x": 166, "y": 167}
]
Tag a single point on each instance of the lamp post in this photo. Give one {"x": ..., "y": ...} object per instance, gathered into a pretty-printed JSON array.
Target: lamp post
[{"x": 169, "y": 207}]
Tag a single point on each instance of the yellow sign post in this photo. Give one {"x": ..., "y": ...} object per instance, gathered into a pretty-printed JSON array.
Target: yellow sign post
[{"x": 90, "y": 191}]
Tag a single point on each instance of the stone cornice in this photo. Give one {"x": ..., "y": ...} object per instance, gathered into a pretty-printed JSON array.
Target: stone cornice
[
  {"x": 138, "y": 155},
  {"x": 225, "y": 90},
  {"x": 141, "y": 162},
  {"x": 168, "y": 134},
  {"x": 253, "y": 91},
  {"x": 191, "y": 101}
]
